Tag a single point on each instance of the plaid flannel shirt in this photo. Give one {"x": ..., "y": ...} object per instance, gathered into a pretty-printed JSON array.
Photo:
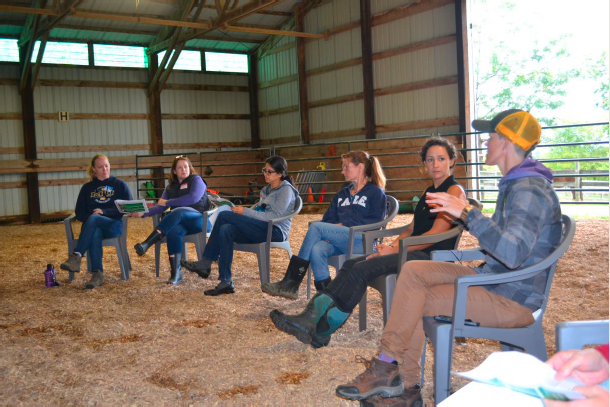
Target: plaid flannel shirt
[{"x": 525, "y": 229}]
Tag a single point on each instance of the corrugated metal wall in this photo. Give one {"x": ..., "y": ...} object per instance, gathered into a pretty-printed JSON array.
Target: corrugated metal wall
[
  {"x": 271, "y": 67},
  {"x": 341, "y": 82},
  {"x": 205, "y": 102},
  {"x": 14, "y": 200},
  {"x": 395, "y": 110},
  {"x": 430, "y": 63}
]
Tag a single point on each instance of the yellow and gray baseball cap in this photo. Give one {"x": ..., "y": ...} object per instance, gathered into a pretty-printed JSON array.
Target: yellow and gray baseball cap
[{"x": 519, "y": 126}]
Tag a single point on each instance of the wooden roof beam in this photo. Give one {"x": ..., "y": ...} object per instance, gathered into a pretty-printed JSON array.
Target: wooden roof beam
[
  {"x": 155, "y": 21},
  {"x": 26, "y": 43},
  {"x": 179, "y": 14},
  {"x": 209, "y": 6},
  {"x": 183, "y": 12}
]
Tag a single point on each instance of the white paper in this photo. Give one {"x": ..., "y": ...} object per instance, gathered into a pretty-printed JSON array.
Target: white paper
[
  {"x": 525, "y": 374},
  {"x": 136, "y": 205}
]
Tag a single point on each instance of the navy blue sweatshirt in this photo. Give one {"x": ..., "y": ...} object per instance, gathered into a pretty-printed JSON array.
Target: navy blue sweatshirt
[
  {"x": 101, "y": 194},
  {"x": 366, "y": 207}
]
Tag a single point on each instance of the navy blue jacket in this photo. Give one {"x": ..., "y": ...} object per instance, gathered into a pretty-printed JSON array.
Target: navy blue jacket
[
  {"x": 101, "y": 194},
  {"x": 366, "y": 207}
]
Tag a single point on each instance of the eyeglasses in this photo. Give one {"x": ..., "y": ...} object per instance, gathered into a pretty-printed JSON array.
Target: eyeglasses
[
  {"x": 268, "y": 172},
  {"x": 179, "y": 156}
]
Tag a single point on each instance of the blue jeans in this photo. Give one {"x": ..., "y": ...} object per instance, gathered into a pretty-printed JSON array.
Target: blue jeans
[
  {"x": 95, "y": 229},
  {"x": 231, "y": 228},
  {"x": 179, "y": 222},
  {"x": 324, "y": 240}
]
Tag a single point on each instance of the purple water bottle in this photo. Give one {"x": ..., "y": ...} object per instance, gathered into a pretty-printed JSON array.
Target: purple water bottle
[{"x": 49, "y": 276}]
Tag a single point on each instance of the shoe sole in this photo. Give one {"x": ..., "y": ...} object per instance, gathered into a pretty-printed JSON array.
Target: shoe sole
[
  {"x": 284, "y": 294},
  {"x": 385, "y": 392},
  {"x": 282, "y": 325},
  {"x": 212, "y": 294},
  {"x": 66, "y": 268},
  {"x": 415, "y": 403},
  {"x": 139, "y": 250}
]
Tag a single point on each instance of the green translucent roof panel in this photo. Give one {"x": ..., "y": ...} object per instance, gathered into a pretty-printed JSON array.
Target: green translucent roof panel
[
  {"x": 119, "y": 55},
  {"x": 188, "y": 60},
  {"x": 68, "y": 53},
  {"x": 9, "y": 51},
  {"x": 223, "y": 62}
]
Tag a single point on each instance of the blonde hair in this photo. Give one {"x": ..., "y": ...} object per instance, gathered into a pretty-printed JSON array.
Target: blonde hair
[
  {"x": 90, "y": 172},
  {"x": 172, "y": 176},
  {"x": 372, "y": 166}
]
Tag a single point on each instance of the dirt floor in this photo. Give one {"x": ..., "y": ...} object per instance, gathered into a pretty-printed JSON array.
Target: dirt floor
[{"x": 140, "y": 341}]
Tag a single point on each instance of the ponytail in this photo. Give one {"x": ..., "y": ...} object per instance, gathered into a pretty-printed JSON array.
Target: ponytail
[{"x": 375, "y": 172}]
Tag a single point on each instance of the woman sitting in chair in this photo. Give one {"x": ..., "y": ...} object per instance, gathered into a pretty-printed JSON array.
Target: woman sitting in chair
[
  {"x": 328, "y": 310},
  {"x": 248, "y": 225},
  {"x": 361, "y": 203},
  {"x": 101, "y": 219},
  {"x": 185, "y": 195}
]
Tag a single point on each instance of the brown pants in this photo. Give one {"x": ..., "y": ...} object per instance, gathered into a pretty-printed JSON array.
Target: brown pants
[{"x": 426, "y": 288}]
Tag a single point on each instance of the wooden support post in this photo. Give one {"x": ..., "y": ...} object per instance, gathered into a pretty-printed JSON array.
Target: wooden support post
[
  {"x": 253, "y": 87},
  {"x": 367, "y": 68},
  {"x": 156, "y": 128},
  {"x": 302, "y": 76},
  {"x": 461, "y": 27},
  {"x": 29, "y": 144}
]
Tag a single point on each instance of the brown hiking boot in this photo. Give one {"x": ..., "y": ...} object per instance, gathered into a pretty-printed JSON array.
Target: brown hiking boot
[
  {"x": 97, "y": 279},
  {"x": 379, "y": 378},
  {"x": 72, "y": 264},
  {"x": 410, "y": 398}
]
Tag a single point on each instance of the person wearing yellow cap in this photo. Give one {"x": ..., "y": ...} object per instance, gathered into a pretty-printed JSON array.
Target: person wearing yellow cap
[{"x": 525, "y": 228}]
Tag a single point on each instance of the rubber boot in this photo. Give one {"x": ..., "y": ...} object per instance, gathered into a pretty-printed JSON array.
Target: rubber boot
[
  {"x": 327, "y": 324},
  {"x": 288, "y": 287},
  {"x": 321, "y": 285},
  {"x": 153, "y": 238},
  {"x": 303, "y": 325},
  {"x": 176, "y": 274}
]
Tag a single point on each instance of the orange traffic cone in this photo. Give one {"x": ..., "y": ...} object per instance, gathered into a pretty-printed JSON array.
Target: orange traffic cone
[
  {"x": 309, "y": 195},
  {"x": 321, "y": 199}
]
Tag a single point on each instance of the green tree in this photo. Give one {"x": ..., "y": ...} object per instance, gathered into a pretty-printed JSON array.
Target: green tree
[
  {"x": 598, "y": 70},
  {"x": 574, "y": 135}
]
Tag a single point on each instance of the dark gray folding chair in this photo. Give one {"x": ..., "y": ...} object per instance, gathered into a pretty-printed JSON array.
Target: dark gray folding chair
[
  {"x": 338, "y": 260},
  {"x": 119, "y": 243},
  {"x": 198, "y": 239},
  {"x": 529, "y": 338},
  {"x": 262, "y": 250},
  {"x": 578, "y": 334}
]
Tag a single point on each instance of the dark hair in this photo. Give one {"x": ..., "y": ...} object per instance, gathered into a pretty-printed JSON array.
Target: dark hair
[
  {"x": 173, "y": 178},
  {"x": 280, "y": 166},
  {"x": 438, "y": 141},
  {"x": 372, "y": 166}
]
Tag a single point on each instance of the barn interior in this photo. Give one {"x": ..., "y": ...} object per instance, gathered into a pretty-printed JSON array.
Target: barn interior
[{"x": 228, "y": 83}]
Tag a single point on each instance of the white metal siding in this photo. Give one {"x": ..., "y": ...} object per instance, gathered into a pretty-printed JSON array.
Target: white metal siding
[
  {"x": 430, "y": 63},
  {"x": 346, "y": 81},
  {"x": 205, "y": 102},
  {"x": 276, "y": 66},
  {"x": 14, "y": 200}
]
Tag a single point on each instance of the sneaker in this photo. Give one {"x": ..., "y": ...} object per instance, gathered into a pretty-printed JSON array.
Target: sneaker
[
  {"x": 379, "y": 378},
  {"x": 410, "y": 398},
  {"x": 73, "y": 263},
  {"x": 97, "y": 279},
  {"x": 224, "y": 287}
]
